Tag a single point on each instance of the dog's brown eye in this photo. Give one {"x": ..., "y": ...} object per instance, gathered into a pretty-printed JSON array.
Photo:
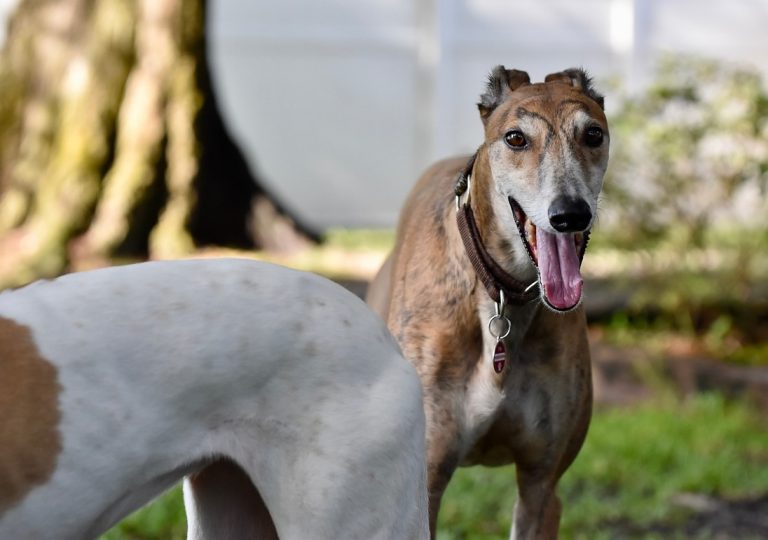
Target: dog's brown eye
[
  {"x": 593, "y": 137},
  {"x": 515, "y": 139}
]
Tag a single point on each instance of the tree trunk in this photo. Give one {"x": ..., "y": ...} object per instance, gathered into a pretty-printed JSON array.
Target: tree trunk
[{"x": 113, "y": 144}]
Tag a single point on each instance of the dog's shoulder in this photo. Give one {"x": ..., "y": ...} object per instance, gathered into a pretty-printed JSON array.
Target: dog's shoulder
[{"x": 440, "y": 178}]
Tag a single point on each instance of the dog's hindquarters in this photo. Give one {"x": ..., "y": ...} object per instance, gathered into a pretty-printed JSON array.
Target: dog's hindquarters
[
  {"x": 330, "y": 467},
  {"x": 326, "y": 468},
  {"x": 168, "y": 366},
  {"x": 334, "y": 443}
]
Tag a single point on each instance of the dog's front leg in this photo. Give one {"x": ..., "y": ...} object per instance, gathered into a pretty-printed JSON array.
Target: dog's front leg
[
  {"x": 442, "y": 453},
  {"x": 537, "y": 512},
  {"x": 554, "y": 404}
]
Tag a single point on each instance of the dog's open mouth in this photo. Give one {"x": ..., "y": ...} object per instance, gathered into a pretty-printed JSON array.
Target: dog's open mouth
[{"x": 557, "y": 258}]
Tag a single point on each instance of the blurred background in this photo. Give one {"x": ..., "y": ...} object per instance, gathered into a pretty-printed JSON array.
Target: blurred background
[
  {"x": 291, "y": 130},
  {"x": 370, "y": 93}
]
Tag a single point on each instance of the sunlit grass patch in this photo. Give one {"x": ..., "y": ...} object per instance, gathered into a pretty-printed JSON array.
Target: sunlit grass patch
[
  {"x": 365, "y": 239},
  {"x": 344, "y": 254}
]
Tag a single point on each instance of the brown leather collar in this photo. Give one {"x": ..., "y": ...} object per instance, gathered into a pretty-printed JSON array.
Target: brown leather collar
[{"x": 492, "y": 275}]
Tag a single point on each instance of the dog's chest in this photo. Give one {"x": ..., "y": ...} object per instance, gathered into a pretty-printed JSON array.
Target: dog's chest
[
  {"x": 499, "y": 418},
  {"x": 486, "y": 406},
  {"x": 482, "y": 402}
]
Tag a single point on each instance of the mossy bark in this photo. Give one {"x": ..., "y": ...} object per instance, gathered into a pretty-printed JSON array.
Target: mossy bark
[{"x": 106, "y": 120}]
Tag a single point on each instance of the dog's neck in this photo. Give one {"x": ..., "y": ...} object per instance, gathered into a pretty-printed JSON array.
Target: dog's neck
[{"x": 499, "y": 260}]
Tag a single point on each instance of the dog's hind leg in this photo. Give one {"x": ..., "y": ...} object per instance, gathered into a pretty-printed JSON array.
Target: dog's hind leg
[
  {"x": 439, "y": 476},
  {"x": 223, "y": 504}
]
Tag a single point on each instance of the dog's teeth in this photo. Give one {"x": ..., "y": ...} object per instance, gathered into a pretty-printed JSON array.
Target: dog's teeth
[
  {"x": 530, "y": 236},
  {"x": 530, "y": 232}
]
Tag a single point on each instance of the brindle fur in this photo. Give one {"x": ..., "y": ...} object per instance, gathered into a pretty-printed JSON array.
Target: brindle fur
[{"x": 536, "y": 413}]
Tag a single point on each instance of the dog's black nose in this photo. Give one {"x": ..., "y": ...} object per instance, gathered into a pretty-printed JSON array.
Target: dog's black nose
[{"x": 569, "y": 215}]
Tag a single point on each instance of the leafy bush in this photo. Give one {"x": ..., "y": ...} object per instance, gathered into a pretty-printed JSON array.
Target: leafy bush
[{"x": 689, "y": 153}]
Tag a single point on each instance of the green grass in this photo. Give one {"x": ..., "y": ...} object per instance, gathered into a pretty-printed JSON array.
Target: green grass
[
  {"x": 162, "y": 520},
  {"x": 634, "y": 462},
  {"x": 360, "y": 239},
  {"x": 639, "y": 458}
]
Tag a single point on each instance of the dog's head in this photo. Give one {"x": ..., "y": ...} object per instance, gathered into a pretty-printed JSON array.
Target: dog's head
[{"x": 547, "y": 150}]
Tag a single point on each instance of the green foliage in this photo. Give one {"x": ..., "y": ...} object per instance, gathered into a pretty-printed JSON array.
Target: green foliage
[
  {"x": 716, "y": 295},
  {"x": 633, "y": 464},
  {"x": 690, "y": 151},
  {"x": 720, "y": 314}
]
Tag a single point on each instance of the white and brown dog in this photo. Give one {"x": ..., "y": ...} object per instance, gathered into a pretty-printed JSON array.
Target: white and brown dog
[
  {"x": 280, "y": 395},
  {"x": 492, "y": 281}
]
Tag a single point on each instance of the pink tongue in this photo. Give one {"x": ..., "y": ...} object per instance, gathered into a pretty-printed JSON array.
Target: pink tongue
[{"x": 559, "y": 268}]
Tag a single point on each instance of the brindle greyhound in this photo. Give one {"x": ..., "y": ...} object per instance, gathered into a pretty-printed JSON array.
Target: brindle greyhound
[{"x": 494, "y": 280}]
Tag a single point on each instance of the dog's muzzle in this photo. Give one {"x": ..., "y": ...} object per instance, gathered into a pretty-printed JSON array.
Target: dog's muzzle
[{"x": 557, "y": 256}]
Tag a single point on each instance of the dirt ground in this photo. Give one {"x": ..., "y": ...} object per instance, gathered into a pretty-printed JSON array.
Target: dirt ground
[
  {"x": 619, "y": 382},
  {"x": 710, "y": 518}
]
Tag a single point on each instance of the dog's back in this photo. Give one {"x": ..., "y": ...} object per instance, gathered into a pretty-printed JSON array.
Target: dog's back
[{"x": 115, "y": 383}]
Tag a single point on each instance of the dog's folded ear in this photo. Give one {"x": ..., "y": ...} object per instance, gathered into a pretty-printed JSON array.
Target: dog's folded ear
[
  {"x": 579, "y": 79},
  {"x": 501, "y": 82}
]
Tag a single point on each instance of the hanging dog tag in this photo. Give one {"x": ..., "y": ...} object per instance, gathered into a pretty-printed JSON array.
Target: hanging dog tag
[
  {"x": 499, "y": 356},
  {"x": 499, "y": 327}
]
